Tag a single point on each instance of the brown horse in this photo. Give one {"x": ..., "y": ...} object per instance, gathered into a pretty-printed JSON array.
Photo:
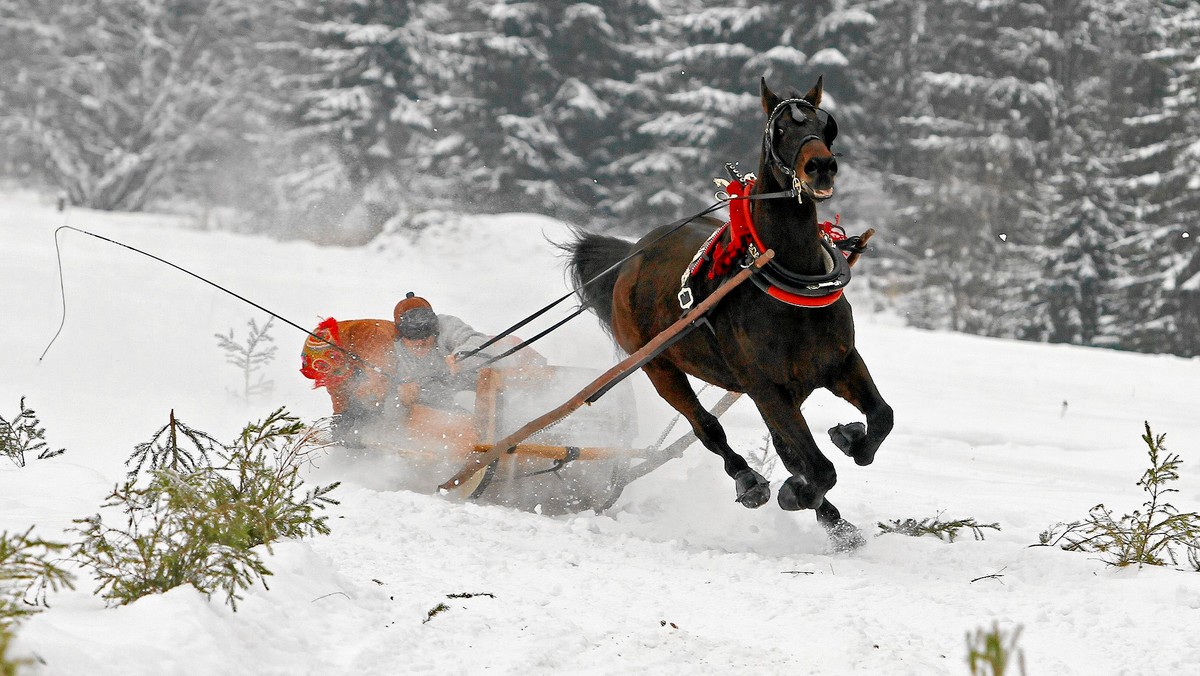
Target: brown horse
[{"x": 775, "y": 351}]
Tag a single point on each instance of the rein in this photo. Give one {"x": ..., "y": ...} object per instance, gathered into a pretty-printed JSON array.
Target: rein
[{"x": 722, "y": 200}]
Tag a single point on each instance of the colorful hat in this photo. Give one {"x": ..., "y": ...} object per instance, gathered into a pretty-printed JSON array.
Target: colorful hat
[
  {"x": 411, "y": 302},
  {"x": 415, "y": 318}
]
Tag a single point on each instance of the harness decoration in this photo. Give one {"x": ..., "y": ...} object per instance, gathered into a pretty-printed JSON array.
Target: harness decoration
[
  {"x": 320, "y": 360},
  {"x": 743, "y": 243}
]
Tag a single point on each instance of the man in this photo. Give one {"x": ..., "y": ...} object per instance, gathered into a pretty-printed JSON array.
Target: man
[
  {"x": 430, "y": 345},
  {"x": 402, "y": 376}
]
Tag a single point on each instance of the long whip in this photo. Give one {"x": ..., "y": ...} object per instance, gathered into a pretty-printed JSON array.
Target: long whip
[{"x": 62, "y": 288}]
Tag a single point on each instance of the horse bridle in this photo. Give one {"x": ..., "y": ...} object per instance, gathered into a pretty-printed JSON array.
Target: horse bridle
[{"x": 826, "y": 136}]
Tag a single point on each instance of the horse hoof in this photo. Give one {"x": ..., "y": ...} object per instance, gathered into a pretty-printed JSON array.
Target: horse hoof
[
  {"x": 845, "y": 536},
  {"x": 753, "y": 489},
  {"x": 848, "y": 437},
  {"x": 796, "y": 493}
]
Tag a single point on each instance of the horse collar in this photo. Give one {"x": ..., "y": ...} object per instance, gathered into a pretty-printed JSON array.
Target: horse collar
[{"x": 809, "y": 291}]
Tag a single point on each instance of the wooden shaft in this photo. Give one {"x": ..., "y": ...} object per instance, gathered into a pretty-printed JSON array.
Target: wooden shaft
[
  {"x": 862, "y": 242},
  {"x": 557, "y": 452},
  {"x": 482, "y": 460}
]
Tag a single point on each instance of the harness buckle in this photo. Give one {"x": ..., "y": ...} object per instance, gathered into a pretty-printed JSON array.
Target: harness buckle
[{"x": 685, "y": 298}]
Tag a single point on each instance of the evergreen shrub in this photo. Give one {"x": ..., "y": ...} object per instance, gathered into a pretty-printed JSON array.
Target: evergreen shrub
[
  {"x": 1157, "y": 534},
  {"x": 24, "y": 435},
  {"x": 943, "y": 530},
  {"x": 187, "y": 523}
]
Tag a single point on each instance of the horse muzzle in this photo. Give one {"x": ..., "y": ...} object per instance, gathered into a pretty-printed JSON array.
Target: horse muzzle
[{"x": 803, "y": 187}]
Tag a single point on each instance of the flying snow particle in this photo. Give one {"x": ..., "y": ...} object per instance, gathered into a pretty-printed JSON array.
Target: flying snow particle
[
  {"x": 1003, "y": 237},
  {"x": 1186, "y": 235}
]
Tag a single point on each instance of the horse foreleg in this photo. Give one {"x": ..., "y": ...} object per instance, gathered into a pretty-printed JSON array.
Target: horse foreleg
[
  {"x": 854, "y": 384},
  {"x": 812, "y": 477},
  {"x": 808, "y": 486},
  {"x": 753, "y": 490}
]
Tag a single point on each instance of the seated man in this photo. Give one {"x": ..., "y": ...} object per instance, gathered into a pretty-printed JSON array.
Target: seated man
[
  {"x": 427, "y": 353},
  {"x": 401, "y": 380}
]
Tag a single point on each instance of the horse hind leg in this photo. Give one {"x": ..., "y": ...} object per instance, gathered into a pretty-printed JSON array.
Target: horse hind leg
[
  {"x": 753, "y": 490},
  {"x": 854, "y": 384}
]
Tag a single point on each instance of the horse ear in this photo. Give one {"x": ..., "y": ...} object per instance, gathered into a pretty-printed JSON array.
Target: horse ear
[
  {"x": 814, "y": 95},
  {"x": 769, "y": 99}
]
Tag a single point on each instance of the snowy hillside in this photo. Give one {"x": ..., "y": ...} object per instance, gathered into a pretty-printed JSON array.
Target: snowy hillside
[{"x": 675, "y": 579}]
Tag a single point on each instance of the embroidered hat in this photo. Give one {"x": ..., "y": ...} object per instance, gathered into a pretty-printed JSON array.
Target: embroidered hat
[{"x": 415, "y": 318}]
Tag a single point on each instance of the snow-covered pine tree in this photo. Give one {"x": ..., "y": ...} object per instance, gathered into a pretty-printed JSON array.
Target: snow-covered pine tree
[
  {"x": 363, "y": 89},
  {"x": 701, "y": 102},
  {"x": 966, "y": 103},
  {"x": 1161, "y": 308},
  {"x": 699, "y": 110},
  {"x": 1087, "y": 215},
  {"x": 115, "y": 95},
  {"x": 1079, "y": 256},
  {"x": 541, "y": 96}
]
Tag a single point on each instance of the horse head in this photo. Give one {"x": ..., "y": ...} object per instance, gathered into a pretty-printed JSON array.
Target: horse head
[{"x": 797, "y": 140}]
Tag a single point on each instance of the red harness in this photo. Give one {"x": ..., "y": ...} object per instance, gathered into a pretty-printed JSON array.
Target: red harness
[{"x": 744, "y": 239}]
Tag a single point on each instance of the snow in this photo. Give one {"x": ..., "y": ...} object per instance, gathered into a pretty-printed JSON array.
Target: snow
[
  {"x": 829, "y": 57},
  {"x": 675, "y": 578}
]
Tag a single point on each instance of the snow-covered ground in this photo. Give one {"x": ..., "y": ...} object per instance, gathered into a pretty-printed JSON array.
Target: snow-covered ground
[{"x": 676, "y": 578}]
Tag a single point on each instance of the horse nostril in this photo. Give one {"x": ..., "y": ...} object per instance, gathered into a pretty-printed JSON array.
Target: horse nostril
[{"x": 819, "y": 165}]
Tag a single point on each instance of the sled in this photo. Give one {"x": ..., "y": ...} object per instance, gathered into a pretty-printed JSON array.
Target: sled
[
  {"x": 581, "y": 462},
  {"x": 574, "y": 465}
]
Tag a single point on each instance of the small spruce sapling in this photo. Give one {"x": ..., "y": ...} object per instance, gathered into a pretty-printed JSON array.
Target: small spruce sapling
[
  {"x": 176, "y": 446},
  {"x": 24, "y": 435},
  {"x": 199, "y": 524},
  {"x": 249, "y": 357},
  {"x": 763, "y": 461},
  {"x": 29, "y": 567},
  {"x": 9, "y": 665},
  {"x": 1155, "y": 534}
]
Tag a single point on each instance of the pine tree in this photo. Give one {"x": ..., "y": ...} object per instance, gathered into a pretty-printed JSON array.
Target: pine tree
[
  {"x": 700, "y": 108},
  {"x": 540, "y": 102},
  {"x": 1087, "y": 213},
  {"x": 114, "y": 96},
  {"x": 362, "y": 99},
  {"x": 966, "y": 104},
  {"x": 1162, "y": 299}
]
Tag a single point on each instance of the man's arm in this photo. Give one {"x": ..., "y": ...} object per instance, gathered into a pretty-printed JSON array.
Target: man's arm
[{"x": 455, "y": 335}]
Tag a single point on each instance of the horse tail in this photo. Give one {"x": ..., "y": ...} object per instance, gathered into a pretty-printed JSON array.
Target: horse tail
[{"x": 590, "y": 255}]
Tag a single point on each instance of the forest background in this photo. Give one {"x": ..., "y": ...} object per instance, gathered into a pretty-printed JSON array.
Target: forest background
[{"x": 1033, "y": 166}]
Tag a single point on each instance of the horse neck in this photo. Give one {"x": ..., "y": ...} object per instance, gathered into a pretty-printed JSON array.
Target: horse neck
[{"x": 790, "y": 228}]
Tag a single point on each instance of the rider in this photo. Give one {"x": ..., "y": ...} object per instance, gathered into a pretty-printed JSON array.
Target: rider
[
  {"x": 428, "y": 349},
  {"x": 403, "y": 373}
]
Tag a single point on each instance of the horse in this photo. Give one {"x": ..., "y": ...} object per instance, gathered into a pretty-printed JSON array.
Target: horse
[{"x": 770, "y": 340}]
